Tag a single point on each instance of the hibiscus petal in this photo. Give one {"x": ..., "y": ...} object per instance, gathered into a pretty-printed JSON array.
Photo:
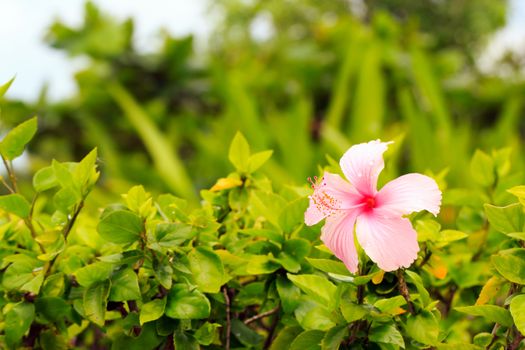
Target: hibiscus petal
[
  {"x": 391, "y": 242},
  {"x": 338, "y": 235},
  {"x": 410, "y": 193},
  {"x": 362, "y": 164},
  {"x": 331, "y": 194}
]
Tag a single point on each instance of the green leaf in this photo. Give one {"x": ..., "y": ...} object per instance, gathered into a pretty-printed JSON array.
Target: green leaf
[
  {"x": 510, "y": 264},
  {"x": 239, "y": 154},
  {"x": 267, "y": 204},
  {"x": 93, "y": 273},
  {"x": 207, "y": 269},
  {"x": 185, "y": 303},
  {"x": 25, "y": 273},
  {"x": 53, "y": 309},
  {"x": 329, "y": 266},
  {"x": 390, "y": 304},
  {"x": 164, "y": 273},
  {"x": 170, "y": 235},
  {"x": 17, "y": 322},
  {"x": 207, "y": 333},
  {"x": 447, "y": 236},
  {"x": 483, "y": 339},
  {"x": 14, "y": 142},
  {"x": 152, "y": 310},
  {"x": 316, "y": 287},
  {"x": 66, "y": 198},
  {"x": 292, "y": 214},
  {"x": 15, "y": 204},
  {"x": 124, "y": 286},
  {"x": 493, "y": 313},
  {"x": 518, "y": 191},
  {"x": 49, "y": 340},
  {"x": 505, "y": 219},
  {"x": 427, "y": 230},
  {"x": 257, "y": 160},
  {"x": 148, "y": 339},
  {"x": 127, "y": 257},
  {"x": 387, "y": 334},
  {"x": 63, "y": 174},
  {"x": 314, "y": 315},
  {"x": 333, "y": 338},
  {"x": 310, "y": 340},
  {"x": 352, "y": 311},
  {"x": 5, "y": 87},
  {"x": 95, "y": 302},
  {"x": 293, "y": 253},
  {"x": 85, "y": 173},
  {"x": 285, "y": 337},
  {"x": 517, "y": 235},
  {"x": 183, "y": 340},
  {"x": 482, "y": 168},
  {"x": 517, "y": 310},
  {"x": 45, "y": 179},
  {"x": 120, "y": 226},
  {"x": 288, "y": 293},
  {"x": 423, "y": 328},
  {"x": 418, "y": 282},
  {"x": 245, "y": 334}
]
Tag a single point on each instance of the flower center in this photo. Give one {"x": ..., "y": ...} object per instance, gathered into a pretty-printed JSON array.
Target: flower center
[{"x": 370, "y": 202}]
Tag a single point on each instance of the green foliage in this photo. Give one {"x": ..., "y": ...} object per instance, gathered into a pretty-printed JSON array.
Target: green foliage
[
  {"x": 176, "y": 274},
  {"x": 13, "y": 144},
  {"x": 236, "y": 268}
]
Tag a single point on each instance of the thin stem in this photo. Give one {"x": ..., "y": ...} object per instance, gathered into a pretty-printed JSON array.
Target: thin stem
[
  {"x": 11, "y": 174},
  {"x": 228, "y": 319},
  {"x": 403, "y": 289},
  {"x": 271, "y": 332},
  {"x": 518, "y": 337},
  {"x": 71, "y": 222},
  {"x": 360, "y": 293},
  {"x": 426, "y": 258},
  {"x": 6, "y": 185},
  {"x": 66, "y": 231},
  {"x": 264, "y": 314},
  {"x": 29, "y": 220},
  {"x": 496, "y": 327}
]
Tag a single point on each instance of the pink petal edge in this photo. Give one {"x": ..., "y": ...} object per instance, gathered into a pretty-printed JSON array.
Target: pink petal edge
[
  {"x": 362, "y": 164},
  {"x": 391, "y": 242},
  {"x": 338, "y": 236},
  {"x": 410, "y": 193}
]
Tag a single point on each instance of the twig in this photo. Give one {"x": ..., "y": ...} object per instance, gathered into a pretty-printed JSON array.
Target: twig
[
  {"x": 71, "y": 222},
  {"x": 228, "y": 320},
  {"x": 66, "y": 231},
  {"x": 360, "y": 293},
  {"x": 6, "y": 185},
  {"x": 516, "y": 342},
  {"x": 264, "y": 314},
  {"x": 403, "y": 289},
  {"x": 271, "y": 331},
  {"x": 497, "y": 325},
  {"x": 11, "y": 174},
  {"x": 426, "y": 258},
  {"x": 29, "y": 220}
]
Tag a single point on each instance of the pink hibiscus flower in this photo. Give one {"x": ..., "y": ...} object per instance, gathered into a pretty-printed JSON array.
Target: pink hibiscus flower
[{"x": 386, "y": 236}]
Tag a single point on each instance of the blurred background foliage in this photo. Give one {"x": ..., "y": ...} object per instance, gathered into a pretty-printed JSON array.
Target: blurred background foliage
[{"x": 304, "y": 78}]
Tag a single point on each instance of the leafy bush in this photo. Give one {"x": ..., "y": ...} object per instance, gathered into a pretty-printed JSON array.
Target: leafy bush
[
  {"x": 241, "y": 270},
  {"x": 84, "y": 266}
]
